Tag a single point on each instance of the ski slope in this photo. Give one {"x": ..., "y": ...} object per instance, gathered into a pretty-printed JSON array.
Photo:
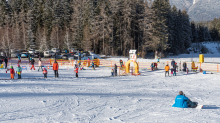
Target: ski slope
[{"x": 95, "y": 97}]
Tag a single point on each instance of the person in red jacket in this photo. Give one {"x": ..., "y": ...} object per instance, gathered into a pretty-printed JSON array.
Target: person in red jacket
[
  {"x": 12, "y": 72},
  {"x": 76, "y": 70},
  {"x": 55, "y": 68},
  {"x": 45, "y": 72}
]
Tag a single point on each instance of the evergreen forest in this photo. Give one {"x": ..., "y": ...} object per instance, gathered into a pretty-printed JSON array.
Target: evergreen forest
[{"x": 110, "y": 27}]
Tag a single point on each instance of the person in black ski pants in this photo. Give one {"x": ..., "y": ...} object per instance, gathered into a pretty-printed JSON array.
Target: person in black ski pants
[{"x": 6, "y": 62}]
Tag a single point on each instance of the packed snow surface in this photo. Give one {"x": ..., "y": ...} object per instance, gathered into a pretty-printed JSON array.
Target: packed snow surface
[{"x": 98, "y": 98}]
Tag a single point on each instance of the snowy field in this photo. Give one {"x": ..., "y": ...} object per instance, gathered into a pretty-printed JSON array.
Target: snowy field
[{"x": 95, "y": 97}]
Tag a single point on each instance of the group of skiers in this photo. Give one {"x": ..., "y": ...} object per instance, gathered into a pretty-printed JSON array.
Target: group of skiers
[
  {"x": 173, "y": 69},
  {"x": 32, "y": 61}
]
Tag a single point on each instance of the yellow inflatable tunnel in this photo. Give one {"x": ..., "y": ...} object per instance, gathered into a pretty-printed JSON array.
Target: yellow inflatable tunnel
[{"x": 127, "y": 67}]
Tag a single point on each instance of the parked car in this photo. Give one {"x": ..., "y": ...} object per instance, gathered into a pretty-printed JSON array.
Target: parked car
[
  {"x": 31, "y": 51},
  {"x": 36, "y": 55},
  {"x": 57, "y": 57},
  {"x": 66, "y": 56},
  {"x": 15, "y": 55},
  {"x": 73, "y": 58},
  {"x": 56, "y": 50},
  {"x": 25, "y": 55},
  {"x": 48, "y": 53}
]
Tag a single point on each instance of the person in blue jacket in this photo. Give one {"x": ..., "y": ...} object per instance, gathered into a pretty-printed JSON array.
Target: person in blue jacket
[{"x": 182, "y": 101}]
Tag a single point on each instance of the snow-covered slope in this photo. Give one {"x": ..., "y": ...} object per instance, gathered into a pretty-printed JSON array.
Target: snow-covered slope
[{"x": 97, "y": 98}]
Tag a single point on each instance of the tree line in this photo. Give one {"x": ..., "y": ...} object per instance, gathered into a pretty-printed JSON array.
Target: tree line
[{"x": 110, "y": 27}]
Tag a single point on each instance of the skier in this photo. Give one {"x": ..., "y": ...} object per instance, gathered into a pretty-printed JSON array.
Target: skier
[
  {"x": 12, "y": 72},
  {"x": 112, "y": 72},
  {"x": 182, "y": 101},
  {"x": 158, "y": 60},
  {"x": 55, "y": 68},
  {"x": 19, "y": 59},
  {"x": 76, "y": 70},
  {"x": 18, "y": 71},
  {"x": 167, "y": 68},
  {"x": 45, "y": 73},
  {"x": 6, "y": 62},
  {"x": 40, "y": 65},
  {"x": 152, "y": 66},
  {"x": 93, "y": 66},
  {"x": 184, "y": 66},
  {"x": 115, "y": 70},
  {"x": 172, "y": 63},
  {"x": 39, "y": 57},
  {"x": 121, "y": 62},
  {"x": 174, "y": 70},
  {"x": 32, "y": 63},
  {"x": 155, "y": 65}
]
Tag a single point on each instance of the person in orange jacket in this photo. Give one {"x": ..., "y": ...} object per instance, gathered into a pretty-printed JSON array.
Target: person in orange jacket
[
  {"x": 76, "y": 70},
  {"x": 55, "y": 68},
  {"x": 167, "y": 68}
]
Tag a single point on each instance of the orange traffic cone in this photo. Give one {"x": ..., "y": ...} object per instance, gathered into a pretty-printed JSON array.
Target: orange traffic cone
[{"x": 48, "y": 67}]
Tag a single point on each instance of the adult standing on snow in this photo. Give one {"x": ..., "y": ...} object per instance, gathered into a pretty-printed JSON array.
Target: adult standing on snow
[
  {"x": 76, "y": 70},
  {"x": 55, "y": 68},
  {"x": 167, "y": 68},
  {"x": 115, "y": 70},
  {"x": 184, "y": 66},
  {"x": 40, "y": 65},
  {"x": 172, "y": 63},
  {"x": 6, "y": 62},
  {"x": 32, "y": 63}
]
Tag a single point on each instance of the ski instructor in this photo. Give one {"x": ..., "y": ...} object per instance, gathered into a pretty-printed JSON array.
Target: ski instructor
[
  {"x": 182, "y": 101},
  {"x": 55, "y": 68}
]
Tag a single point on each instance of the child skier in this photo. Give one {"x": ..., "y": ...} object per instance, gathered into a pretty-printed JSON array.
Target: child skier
[
  {"x": 19, "y": 59},
  {"x": 76, "y": 70},
  {"x": 93, "y": 66},
  {"x": 112, "y": 72},
  {"x": 152, "y": 66},
  {"x": 167, "y": 68},
  {"x": 45, "y": 73},
  {"x": 18, "y": 71},
  {"x": 32, "y": 63},
  {"x": 12, "y": 72}
]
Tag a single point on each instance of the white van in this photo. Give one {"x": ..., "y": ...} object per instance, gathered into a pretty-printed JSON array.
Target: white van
[
  {"x": 31, "y": 51},
  {"x": 49, "y": 53}
]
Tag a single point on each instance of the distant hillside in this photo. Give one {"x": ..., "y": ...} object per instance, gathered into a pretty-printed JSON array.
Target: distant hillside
[{"x": 199, "y": 10}]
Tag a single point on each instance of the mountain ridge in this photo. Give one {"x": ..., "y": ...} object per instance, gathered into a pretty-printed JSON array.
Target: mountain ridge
[{"x": 199, "y": 10}]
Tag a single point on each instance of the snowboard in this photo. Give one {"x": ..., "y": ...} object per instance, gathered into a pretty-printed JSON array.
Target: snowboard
[{"x": 199, "y": 106}]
